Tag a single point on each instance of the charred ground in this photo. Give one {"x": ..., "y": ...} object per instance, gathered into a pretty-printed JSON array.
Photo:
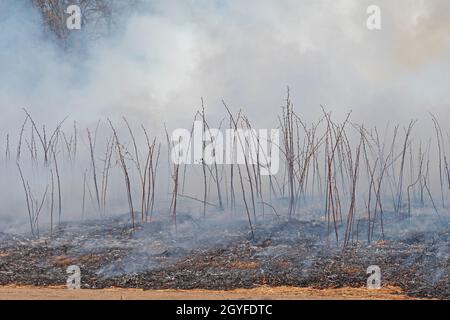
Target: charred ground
[{"x": 219, "y": 255}]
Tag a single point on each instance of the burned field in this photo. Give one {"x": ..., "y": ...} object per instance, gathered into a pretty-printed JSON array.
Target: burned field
[
  {"x": 150, "y": 145},
  {"x": 345, "y": 198},
  {"x": 221, "y": 255}
]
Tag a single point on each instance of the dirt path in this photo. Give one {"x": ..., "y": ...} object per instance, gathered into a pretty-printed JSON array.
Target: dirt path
[{"x": 260, "y": 293}]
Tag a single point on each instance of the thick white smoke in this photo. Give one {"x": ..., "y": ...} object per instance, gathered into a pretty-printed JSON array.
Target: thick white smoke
[
  {"x": 161, "y": 59},
  {"x": 158, "y": 62}
]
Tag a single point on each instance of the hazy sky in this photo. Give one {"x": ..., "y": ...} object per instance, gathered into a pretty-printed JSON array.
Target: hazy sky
[{"x": 158, "y": 63}]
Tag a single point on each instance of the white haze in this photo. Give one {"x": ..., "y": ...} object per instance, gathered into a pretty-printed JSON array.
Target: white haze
[
  {"x": 160, "y": 60},
  {"x": 157, "y": 63}
]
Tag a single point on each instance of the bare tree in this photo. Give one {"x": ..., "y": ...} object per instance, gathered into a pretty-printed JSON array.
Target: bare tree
[{"x": 95, "y": 16}]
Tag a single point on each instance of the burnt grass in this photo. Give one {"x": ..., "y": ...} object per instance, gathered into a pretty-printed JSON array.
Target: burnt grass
[{"x": 223, "y": 256}]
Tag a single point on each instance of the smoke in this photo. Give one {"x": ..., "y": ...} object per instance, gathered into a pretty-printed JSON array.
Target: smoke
[
  {"x": 157, "y": 62},
  {"x": 425, "y": 36},
  {"x": 161, "y": 57}
]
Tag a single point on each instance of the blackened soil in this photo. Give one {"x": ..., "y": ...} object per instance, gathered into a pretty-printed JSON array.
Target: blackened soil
[{"x": 223, "y": 256}]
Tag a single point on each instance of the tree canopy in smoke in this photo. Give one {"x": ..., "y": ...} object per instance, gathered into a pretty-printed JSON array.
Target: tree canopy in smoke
[{"x": 96, "y": 15}]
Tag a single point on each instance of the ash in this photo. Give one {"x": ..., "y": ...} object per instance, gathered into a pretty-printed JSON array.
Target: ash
[{"x": 218, "y": 254}]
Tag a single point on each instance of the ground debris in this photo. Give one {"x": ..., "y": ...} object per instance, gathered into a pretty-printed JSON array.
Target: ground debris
[{"x": 285, "y": 253}]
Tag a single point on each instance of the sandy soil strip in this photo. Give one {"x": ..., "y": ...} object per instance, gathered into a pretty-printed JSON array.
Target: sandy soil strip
[{"x": 260, "y": 293}]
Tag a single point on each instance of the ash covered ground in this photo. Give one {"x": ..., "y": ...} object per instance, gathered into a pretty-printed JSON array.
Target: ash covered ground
[{"x": 218, "y": 254}]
